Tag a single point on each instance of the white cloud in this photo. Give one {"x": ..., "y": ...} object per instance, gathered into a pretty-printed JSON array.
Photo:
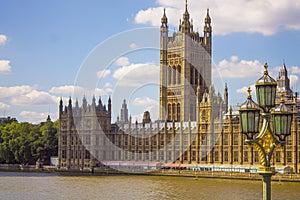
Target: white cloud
[
  {"x": 4, "y": 106},
  {"x": 72, "y": 90},
  {"x": 131, "y": 74},
  {"x": 7, "y": 92},
  {"x": 144, "y": 101},
  {"x": 133, "y": 46},
  {"x": 295, "y": 70},
  {"x": 34, "y": 98},
  {"x": 33, "y": 117},
  {"x": 137, "y": 74},
  {"x": 5, "y": 67},
  {"x": 265, "y": 17},
  {"x": 236, "y": 68},
  {"x": 103, "y": 73},
  {"x": 3, "y": 39},
  {"x": 244, "y": 90},
  {"x": 293, "y": 81},
  {"x": 122, "y": 61},
  {"x": 66, "y": 89},
  {"x": 148, "y": 104}
]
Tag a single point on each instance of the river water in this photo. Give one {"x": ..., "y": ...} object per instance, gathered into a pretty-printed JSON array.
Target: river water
[{"x": 15, "y": 185}]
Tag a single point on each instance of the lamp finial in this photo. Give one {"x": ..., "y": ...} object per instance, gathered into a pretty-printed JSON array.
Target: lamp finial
[
  {"x": 249, "y": 92},
  {"x": 282, "y": 97},
  {"x": 266, "y": 68}
]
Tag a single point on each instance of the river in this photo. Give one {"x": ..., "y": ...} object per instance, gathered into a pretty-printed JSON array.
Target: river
[{"x": 18, "y": 185}]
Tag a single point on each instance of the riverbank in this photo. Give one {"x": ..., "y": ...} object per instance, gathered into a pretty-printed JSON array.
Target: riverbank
[{"x": 159, "y": 172}]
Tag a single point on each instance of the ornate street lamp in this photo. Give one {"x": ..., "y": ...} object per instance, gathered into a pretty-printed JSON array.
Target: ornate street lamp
[
  {"x": 249, "y": 116},
  {"x": 267, "y": 140}
]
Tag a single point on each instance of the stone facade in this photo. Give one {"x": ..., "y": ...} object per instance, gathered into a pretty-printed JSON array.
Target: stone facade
[{"x": 195, "y": 127}]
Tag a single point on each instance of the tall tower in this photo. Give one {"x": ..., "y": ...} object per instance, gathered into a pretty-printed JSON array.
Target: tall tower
[
  {"x": 185, "y": 64},
  {"x": 124, "y": 112},
  {"x": 284, "y": 83},
  {"x": 163, "y": 65}
]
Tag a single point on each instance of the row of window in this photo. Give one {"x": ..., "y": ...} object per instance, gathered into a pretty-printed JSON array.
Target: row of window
[
  {"x": 145, "y": 141},
  {"x": 160, "y": 154}
]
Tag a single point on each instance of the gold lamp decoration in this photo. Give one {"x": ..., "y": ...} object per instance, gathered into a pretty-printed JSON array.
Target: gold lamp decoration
[{"x": 269, "y": 137}]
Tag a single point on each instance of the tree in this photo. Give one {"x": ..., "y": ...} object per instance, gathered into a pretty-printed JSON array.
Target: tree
[{"x": 25, "y": 143}]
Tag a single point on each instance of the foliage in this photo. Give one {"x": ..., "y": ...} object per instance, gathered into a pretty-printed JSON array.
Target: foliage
[{"x": 25, "y": 143}]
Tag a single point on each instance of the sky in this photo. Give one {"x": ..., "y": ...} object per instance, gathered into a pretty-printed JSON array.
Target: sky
[{"x": 60, "y": 49}]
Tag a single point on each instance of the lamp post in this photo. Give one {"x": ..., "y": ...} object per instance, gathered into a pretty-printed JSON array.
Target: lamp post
[{"x": 275, "y": 128}]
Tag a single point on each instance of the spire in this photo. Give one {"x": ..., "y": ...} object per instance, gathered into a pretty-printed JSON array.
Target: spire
[
  {"x": 207, "y": 18},
  {"x": 164, "y": 20},
  {"x": 76, "y": 103},
  {"x": 70, "y": 105},
  {"x": 84, "y": 103},
  {"x": 60, "y": 105},
  {"x": 100, "y": 101},
  {"x": 186, "y": 13},
  {"x": 109, "y": 106},
  {"x": 226, "y": 97},
  {"x": 186, "y": 25}
]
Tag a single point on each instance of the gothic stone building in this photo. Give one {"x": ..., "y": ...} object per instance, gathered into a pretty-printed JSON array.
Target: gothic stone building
[{"x": 195, "y": 127}]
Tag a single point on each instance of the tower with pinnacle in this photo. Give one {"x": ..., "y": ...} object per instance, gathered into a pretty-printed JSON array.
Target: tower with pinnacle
[{"x": 185, "y": 64}]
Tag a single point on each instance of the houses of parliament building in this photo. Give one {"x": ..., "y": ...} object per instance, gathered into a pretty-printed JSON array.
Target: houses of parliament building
[{"x": 196, "y": 126}]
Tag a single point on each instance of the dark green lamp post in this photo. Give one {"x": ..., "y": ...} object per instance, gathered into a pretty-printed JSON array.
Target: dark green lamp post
[
  {"x": 249, "y": 116},
  {"x": 269, "y": 138}
]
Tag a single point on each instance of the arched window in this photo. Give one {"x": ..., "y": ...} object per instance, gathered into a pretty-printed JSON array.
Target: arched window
[
  {"x": 191, "y": 75},
  {"x": 203, "y": 115},
  {"x": 169, "y": 111},
  {"x": 174, "y": 111},
  {"x": 179, "y": 74},
  {"x": 196, "y": 77},
  {"x": 178, "y": 112},
  {"x": 169, "y": 75},
  {"x": 174, "y": 75}
]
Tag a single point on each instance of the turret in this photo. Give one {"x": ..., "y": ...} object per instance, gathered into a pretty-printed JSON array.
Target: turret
[
  {"x": 70, "y": 105},
  {"x": 208, "y": 33},
  {"x": 93, "y": 103},
  {"x": 60, "y": 106},
  {"x": 283, "y": 83},
  {"x": 84, "y": 104},
  {"x": 109, "y": 106},
  {"x": 163, "y": 63},
  {"x": 226, "y": 98},
  {"x": 198, "y": 100},
  {"x": 124, "y": 112},
  {"x": 186, "y": 24}
]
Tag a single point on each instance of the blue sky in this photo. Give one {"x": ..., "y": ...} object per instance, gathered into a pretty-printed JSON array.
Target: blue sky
[{"x": 46, "y": 46}]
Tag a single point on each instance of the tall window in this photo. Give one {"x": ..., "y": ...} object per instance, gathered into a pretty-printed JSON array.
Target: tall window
[
  {"x": 203, "y": 115},
  {"x": 216, "y": 156},
  {"x": 255, "y": 156},
  {"x": 178, "y": 112},
  {"x": 169, "y": 112},
  {"x": 179, "y": 74},
  {"x": 245, "y": 156},
  {"x": 277, "y": 156},
  {"x": 196, "y": 77},
  {"x": 169, "y": 75},
  {"x": 191, "y": 76},
  {"x": 226, "y": 156},
  {"x": 235, "y": 156},
  {"x": 87, "y": 154},
  {"x": 174, "y": 75},
  {"x": 289, "y": 156},
  {"x": 235, "y": 139},
  {"x": 225, "y": 142},
  {"x": 174, "y": 107}
]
